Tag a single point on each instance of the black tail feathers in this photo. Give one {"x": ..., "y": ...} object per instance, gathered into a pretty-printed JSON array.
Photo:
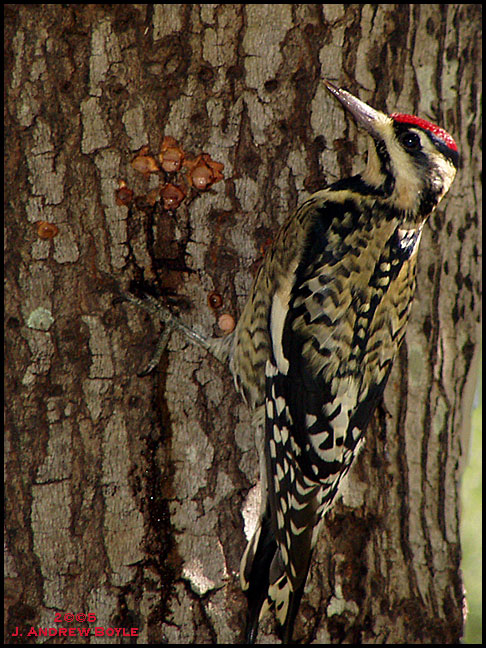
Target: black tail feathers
[{"x": 256, "y": 571}]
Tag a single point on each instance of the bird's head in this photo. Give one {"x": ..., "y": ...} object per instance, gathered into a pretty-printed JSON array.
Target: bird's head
[{"x": 411, "y": 161}]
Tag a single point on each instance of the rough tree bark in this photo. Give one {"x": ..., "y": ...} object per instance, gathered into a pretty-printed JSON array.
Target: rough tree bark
[{"x": 124, "y": 494}]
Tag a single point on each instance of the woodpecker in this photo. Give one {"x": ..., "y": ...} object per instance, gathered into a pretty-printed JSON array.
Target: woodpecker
[{"x": 314, "y": 346}]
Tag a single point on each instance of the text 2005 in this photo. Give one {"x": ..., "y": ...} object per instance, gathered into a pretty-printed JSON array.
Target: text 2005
[{"x": 67, "y": 617}]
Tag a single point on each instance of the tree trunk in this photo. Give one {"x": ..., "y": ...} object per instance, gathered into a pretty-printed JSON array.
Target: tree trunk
[{"x": 124, "y": 495}]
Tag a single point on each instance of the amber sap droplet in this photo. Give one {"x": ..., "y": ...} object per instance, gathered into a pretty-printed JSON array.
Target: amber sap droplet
[
  {"x": 172, "y": 196},
  {"x": 226, "y": 323},
  {"x": 201, "y": 177},
  {"x": 203, "y": 171},
  {"x": 144, "y": 163},
  {"x": 171, "y": 161},
  {"x": 46, "y": 230},
  {"x": 215, "y": 300},
  {"x": 123, "y": 195},
  {"x": 171, "y": 155}
]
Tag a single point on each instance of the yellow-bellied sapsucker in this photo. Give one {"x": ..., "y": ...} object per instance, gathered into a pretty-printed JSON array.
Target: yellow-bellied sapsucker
[{"x": 313, "y": 348}]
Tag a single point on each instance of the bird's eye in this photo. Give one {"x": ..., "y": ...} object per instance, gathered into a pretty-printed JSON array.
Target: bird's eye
[{"x": 410, "y": 141}]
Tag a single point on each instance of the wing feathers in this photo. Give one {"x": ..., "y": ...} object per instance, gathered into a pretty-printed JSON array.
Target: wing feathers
[{"x": 334, "y": 333}]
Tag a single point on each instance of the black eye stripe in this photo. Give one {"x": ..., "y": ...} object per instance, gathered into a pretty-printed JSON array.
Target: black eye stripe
[
  {"x": 410, "y": 141},
  {"x": 401, "y": 130}
]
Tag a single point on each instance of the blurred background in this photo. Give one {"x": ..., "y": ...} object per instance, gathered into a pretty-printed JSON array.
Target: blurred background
[{"x": 471, "y": 526}]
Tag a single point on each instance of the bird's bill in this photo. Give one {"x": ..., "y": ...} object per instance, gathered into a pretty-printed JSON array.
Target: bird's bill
[{"x": 372, "y": 120}]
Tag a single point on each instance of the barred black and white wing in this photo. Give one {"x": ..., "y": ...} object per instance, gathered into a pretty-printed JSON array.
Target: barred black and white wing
[{"x": 334, "y": 333}]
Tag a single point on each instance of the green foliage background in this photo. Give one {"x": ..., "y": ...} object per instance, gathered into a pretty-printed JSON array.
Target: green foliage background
[{"x": 471, "y": 527}]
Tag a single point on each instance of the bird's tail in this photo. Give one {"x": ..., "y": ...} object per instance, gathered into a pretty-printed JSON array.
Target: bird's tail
[
  {"x": 265, "y": 582},
  {"x": 254, "y": 573}
]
